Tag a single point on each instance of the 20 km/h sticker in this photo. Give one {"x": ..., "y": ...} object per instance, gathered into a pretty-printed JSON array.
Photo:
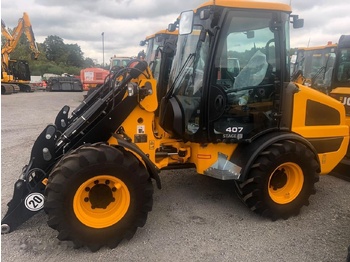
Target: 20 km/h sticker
[{"x": 34, "y": 201}]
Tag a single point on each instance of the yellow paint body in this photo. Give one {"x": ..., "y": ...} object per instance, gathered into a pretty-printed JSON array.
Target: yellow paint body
[{"x": 330, "y": 159}]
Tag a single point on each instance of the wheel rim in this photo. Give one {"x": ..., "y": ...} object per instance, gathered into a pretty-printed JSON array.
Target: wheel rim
[
  {"x": 101, "y": 201},
  {"x": 286, "y": 183}
]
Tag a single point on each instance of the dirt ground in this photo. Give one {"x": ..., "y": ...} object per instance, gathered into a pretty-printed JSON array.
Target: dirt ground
[{"x": 194, "y": 218}]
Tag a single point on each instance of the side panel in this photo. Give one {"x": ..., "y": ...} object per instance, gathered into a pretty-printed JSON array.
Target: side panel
[
  {"x": 342, "y": 94},
  {"x": 321, "y": 120}
]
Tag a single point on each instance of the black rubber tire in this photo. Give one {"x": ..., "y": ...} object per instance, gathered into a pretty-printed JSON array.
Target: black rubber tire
[
  {"x": 255, "y": 192},
  {"x": 85, "y": 164}
]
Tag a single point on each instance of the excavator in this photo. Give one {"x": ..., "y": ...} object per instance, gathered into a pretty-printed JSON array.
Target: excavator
[
  {"x": 316, "y": 64},
  {"x": 15, "y": 74},
  {"x": 92, "y": 170}
]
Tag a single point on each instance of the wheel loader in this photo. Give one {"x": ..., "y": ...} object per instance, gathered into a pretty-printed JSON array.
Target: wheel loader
[
  {"x": 159, "y": 55},
  {"x": 92, "y": 170},
  {"x": 340, "y": 90},
  {"x": 316, "y": 64}
]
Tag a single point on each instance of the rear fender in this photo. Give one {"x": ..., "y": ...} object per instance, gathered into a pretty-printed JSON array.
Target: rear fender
[{"x": 246, "y": 153}]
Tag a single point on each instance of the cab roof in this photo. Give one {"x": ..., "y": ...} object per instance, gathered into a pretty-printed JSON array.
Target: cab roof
[
  {"x": 160, "y": 32},
  {"x": 322, "y": 47},
  {"x": 248, "y": 4}
]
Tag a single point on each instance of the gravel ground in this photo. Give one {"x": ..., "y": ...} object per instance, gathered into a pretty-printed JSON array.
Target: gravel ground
[{"x": 194, "y": 218}]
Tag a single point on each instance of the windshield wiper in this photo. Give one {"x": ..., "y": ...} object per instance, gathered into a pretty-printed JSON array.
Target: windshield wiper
[{"x": 188, "y": 59}]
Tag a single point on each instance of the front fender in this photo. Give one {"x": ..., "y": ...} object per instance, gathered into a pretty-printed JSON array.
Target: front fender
[{"x": 152, "y": 169}]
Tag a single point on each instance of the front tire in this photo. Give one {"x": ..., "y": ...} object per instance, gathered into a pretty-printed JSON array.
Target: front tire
[
  {"x": 280, "y": 180},
  {"x": 98, "y": 195}
]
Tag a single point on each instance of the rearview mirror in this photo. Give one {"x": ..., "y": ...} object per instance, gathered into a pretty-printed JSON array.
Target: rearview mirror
[
  {"x": 186, "y": 22},
  {"x": 297, "y": 22},
  {"x": 171, "y": 27},
  {"x": 250, "y": 34}
]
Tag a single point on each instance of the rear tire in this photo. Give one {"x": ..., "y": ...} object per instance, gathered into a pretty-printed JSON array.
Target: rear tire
[
  {"x": 98, "y": 195},
  {"x": 280, "y": 180}
]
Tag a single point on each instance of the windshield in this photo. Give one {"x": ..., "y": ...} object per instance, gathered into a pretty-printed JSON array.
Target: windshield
[
  {"x": 187, "y": 74},
  {"x": 152, "y": 46},
  {"x": 343, "y": 70},
  {"x": 119, "y": 62},
  {"x": 153, "y": 54},
  {"x": 315, "y": 64}
]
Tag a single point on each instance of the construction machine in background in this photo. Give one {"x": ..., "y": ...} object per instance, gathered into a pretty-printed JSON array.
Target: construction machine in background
[
  {"x": 340, "y": 90},
  {"x": 64, "y": 83},
  {"x": 159, "y": 55},
  {"x": 118, "y": 62},
  {"x": 92, "y": 170},
  {"x": 15, "y": 74},
  {"x": 316, "y": 65},
  {"x": 93, "y": 77}
]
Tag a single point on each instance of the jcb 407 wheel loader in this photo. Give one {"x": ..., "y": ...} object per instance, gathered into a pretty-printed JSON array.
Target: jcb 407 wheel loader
[{"x": 92, "y": 170}]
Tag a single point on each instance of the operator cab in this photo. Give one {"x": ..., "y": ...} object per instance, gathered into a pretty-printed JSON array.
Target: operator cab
[
  {"x": 341, "y": 74},
  {"x": 213, "y": 100},
  {"x": 19, "y": 69}
]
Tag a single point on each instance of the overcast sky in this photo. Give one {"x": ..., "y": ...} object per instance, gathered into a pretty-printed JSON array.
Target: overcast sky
[{"x": 126, "y": 22}]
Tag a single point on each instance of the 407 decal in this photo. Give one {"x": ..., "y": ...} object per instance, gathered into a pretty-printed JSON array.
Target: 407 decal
[{"x": 234, "y": 129}]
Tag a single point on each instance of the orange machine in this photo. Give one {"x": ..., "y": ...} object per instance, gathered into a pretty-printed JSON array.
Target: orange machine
[{"x": 92, "y": 77}]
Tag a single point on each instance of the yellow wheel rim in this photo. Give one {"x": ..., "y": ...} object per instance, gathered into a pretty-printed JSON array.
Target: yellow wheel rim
[
  {"x": 101, "y": 201},
  {"x": 286, "y": 183}
]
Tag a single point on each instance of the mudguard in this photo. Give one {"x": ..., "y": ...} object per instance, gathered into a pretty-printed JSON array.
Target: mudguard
[{"x": 246, "y": 153}]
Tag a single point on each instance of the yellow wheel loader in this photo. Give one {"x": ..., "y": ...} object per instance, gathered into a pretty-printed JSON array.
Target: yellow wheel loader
[
  {"x": 316, "y": 65},
  {"x": 92, "y": 170},
  {"x": 159, "y": 55},
  {"x": 340, "y": 90}
]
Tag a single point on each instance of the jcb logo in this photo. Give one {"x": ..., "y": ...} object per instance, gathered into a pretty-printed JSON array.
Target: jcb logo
[{"x": 346, "y": 100}]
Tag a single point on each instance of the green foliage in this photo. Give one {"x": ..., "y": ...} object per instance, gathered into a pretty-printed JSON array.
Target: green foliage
[
  {"x": 55, "y": 49},
  {"x": 74, "y": 55},
  {"x": 40, "y": 68},
  {"x": 88, "y": 62}
]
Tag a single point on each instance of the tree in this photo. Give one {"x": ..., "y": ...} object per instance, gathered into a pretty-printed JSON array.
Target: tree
[
  {"x": 55, "y": 49},
  {"x": 74, "y": 55},
  {"x": 88, "y": 62},
  {"x": 55, "y": 56}
]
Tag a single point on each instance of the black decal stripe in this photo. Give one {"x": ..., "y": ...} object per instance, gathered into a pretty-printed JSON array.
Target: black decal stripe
[{"x": 326, "y": 145}]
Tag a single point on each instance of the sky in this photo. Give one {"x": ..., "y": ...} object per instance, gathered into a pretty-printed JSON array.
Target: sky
[{"x": 126, "y": 22}]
